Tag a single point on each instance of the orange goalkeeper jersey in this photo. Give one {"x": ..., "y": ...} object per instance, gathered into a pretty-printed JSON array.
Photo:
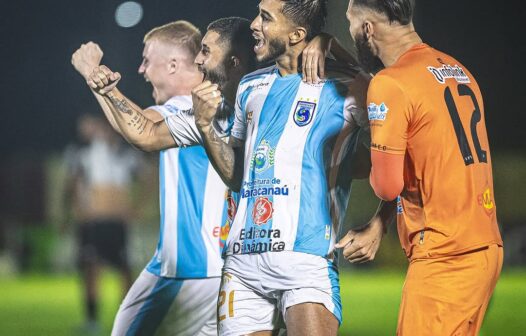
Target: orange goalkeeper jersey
[{"x": 428, "y": 107}]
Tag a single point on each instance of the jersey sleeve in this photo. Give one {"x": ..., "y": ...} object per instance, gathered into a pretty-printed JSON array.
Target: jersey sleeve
[
  {"x": 183, "y": 129},
  {"x": 389, "y": 114},
  {"x": 166, "y": 109},
  {"x": 355, "y": 102},
  {"x": 239, "y": 128}
]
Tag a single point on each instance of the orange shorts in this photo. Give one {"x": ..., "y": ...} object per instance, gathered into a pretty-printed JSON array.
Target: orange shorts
[{"x": 449, "y": 295}]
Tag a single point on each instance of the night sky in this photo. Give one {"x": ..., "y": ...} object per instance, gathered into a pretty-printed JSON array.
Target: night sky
[{"x": 41, "y": 94}]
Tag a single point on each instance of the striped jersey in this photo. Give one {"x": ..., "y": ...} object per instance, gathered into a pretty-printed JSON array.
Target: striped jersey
[
  {"x": 194, "y": 202},
  {"x": 299, "y": 143}
]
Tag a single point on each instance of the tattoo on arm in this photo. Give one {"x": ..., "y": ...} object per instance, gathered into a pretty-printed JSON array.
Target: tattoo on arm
[
  {"x": 226, "y": 160},
  {"x": 120, "y": 104},
  {"x": 136, "y": 120}
]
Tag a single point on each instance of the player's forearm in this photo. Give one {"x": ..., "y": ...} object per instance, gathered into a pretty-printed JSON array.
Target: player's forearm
[
  {"x": 386, "y": 213},
  {"x": 222, "y": 156},
  {"x": 135, "y": 127},
  {"x": 107, "y": 112}
]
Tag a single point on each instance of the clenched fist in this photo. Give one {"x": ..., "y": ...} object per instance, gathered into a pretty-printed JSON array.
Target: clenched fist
[
  {"x": 86, "y": 58},
  {"x": 206, "y": 99},
  {"x": 102, "y": 80}
]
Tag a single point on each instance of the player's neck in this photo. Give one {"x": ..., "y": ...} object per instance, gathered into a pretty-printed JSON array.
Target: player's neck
[
  {"x": 185, "y": 82},
  {"x": 395, "y": 45},
  {"x": 229, "y": 91},
  {"x": 288, "y": 63}
]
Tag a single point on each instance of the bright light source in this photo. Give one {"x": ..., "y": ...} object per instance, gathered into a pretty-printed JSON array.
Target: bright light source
[{"x": 128, "y": 14}]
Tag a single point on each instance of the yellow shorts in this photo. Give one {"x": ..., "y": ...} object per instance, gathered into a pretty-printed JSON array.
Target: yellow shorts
[{"x": 449, "y": 295}]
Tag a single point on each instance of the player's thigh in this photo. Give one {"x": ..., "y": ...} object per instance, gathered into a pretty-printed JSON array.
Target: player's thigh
[
  {"x": 311, "y": 319},
  {"x": 444, "y": 296},
  {"x": 243, "y": 311},
  {"x": 164, "y": 306},
  {"x": 193, "y": 311}
]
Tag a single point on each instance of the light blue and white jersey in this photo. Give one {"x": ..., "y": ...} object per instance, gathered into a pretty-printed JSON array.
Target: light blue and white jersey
[
  {"x": 193, "y": 200},
  {"x": 299, "y": 144}
]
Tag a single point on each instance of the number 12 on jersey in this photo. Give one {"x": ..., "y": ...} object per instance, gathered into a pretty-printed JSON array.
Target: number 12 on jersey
[{"x": 465, "y": 150}]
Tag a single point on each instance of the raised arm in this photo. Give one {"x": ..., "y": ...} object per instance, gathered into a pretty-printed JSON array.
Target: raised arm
[
  {"x": 144, "y": 129},
  {"x": 227, "y": 159},
  {"x": 85, "y": 60}
]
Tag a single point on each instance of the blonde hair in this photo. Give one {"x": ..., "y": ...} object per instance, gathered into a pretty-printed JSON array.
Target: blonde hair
[{"x": 179, "y": 33}]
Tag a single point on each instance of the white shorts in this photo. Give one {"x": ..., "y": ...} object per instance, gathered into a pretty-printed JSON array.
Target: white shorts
[
  {"x": 257, "y": 289},
  {"x": 166, "y": 306}
]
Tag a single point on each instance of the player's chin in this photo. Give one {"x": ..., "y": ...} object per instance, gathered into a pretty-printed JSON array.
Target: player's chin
[{"x": 262, "y": 55}]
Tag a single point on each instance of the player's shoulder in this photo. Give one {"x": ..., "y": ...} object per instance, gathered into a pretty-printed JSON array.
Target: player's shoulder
[
  {"x": 345, "y": 74},
  {"x": 172, "y": 106},
  {"x": 336, "y": 69},
  {"x": 258, "y": 75},
  {"x": 179, "y": 103}
]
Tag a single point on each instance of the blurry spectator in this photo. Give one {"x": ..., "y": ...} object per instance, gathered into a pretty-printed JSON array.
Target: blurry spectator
[{"x": 97, "y": 197}]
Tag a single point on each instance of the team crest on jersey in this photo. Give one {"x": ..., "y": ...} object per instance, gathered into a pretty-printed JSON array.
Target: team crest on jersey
[
  {"x": 304, "y": 113},
  {"x": 486, "y": 201},
  {"x": 262, "y": 211},
  {"x": 263, "y": 157},
  {"x": 377, "y": 112}
]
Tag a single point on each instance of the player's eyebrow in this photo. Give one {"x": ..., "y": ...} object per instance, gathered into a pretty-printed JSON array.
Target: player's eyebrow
[
  {"x": 263, "y": 11},
  {"x": 266, "y": 13}
]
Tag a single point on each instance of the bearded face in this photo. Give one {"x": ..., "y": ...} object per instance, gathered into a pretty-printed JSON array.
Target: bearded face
[{"x": 368, "y": 60}]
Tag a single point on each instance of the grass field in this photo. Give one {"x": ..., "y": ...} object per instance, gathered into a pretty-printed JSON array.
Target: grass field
[{"x": 50, "y": 305}]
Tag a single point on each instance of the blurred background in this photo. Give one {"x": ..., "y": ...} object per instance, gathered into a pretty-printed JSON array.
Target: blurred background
[{"x": 42, "y": 98}]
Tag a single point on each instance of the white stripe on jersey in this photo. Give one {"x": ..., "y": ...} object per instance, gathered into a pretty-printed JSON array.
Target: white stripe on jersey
[
  {"x": 213, "y": 205},
  {"x": 251, "y": 124},
  {"x": 288, "y": 162},
  {"x": 168, "y": 256}
]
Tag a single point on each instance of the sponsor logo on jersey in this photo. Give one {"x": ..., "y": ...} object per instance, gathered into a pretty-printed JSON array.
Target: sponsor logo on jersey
[
  {"x": 223, "y": 236},
  {"x": 249, "y": 116},
  {"x": 230, "y": 213},
  {"x": 377, "y": 112},
  {"x": 257, "y": 86},
  {"x": 263, "y": 157},
  {"x": 253, "y": 246},
  {"x": 447, "y": 71},
  {"x": 486, "y": 201},
  {"x": 171, "y": 108},
  {"x": 231, "y": 207},
  {"x": 399, "y": 207},
  {"x": 263, "y": 187},
  {"x": 304, "y": 113},
  {"x": 262, "y": 211}
]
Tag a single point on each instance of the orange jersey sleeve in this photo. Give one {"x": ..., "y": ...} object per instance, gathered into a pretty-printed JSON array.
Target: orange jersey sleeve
[{"x": 389, "y": 115}]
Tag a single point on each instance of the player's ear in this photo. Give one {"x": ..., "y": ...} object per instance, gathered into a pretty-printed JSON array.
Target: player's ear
[
  {"x": 173, "y": 66},
  {"x": 299, "y": 34},
  {"x": 368, "y": 29},
  {"x": 234, "y": 61}
]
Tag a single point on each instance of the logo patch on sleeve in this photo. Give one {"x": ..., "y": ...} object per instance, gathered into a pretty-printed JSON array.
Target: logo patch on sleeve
[{"x": 377, "y": 112}]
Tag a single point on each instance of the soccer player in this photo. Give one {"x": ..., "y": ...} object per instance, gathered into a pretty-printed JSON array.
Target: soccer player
[
  {"x": 429, "y": 145},
  {"x": 176, "y": 294},
  {"x": 291, "y": 153},
  {"x": 99, "y": 175}
]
